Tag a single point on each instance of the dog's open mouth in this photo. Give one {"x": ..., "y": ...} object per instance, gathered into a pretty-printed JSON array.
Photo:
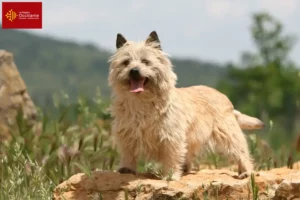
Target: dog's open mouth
[{"x": 137, "y": 86}]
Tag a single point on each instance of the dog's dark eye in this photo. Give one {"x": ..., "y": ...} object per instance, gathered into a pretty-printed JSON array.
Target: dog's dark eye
[
  {"x": 145, "y": 61},
  {"x": 126, "y": 62}
]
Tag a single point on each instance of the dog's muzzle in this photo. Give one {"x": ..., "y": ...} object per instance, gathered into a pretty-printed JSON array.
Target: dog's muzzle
[{"x": 136, "y": 80}]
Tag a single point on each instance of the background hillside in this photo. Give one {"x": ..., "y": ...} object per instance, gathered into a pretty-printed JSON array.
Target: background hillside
[{"x": 49, "y": 65}]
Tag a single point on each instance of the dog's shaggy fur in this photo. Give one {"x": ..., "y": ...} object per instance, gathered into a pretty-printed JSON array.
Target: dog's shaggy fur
[{"x": 170, "y": 125}]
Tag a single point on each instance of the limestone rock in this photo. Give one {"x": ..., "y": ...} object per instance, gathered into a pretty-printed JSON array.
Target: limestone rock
[
  {"x": 13, "y": 93},
  {"x": 281, "y": 183}
]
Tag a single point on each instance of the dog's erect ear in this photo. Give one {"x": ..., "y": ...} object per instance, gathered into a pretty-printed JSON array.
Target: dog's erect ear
[
  {"x": 153, "y": 37},
  {"x": 120, "y": 40}
]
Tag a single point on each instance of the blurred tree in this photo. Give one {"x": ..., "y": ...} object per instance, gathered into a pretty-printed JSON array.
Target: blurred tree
[{"x": 266, "y": 83}]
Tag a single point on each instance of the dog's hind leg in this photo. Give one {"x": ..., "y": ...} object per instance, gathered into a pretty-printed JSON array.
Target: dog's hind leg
[{"x": 230, "y": 138}]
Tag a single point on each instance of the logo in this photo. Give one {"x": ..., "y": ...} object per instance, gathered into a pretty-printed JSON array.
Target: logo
[
  {"x": 11, "y": 15},
  {"x": 21, "y": 15}
]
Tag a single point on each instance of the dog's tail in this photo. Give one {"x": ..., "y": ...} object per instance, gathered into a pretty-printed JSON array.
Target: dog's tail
[{"x": 247, "y": 122}]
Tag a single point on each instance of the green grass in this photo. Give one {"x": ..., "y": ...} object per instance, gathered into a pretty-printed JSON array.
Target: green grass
[
  {"x": 76, "y": 138},
  {"x": 35, "y": 160}
]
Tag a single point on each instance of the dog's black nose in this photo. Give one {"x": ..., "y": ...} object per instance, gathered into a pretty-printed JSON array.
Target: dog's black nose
[{"x": 135, "y": 73}]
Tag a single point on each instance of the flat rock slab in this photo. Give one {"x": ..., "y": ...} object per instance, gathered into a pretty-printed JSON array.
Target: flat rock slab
[{"x": 281, "y": 183}]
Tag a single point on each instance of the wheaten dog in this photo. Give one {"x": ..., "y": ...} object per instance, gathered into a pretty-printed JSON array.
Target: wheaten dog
[{"x": 166, "y": 124}]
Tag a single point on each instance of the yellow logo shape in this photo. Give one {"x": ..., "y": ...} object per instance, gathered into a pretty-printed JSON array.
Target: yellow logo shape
[{"x": 11, "y": 15}]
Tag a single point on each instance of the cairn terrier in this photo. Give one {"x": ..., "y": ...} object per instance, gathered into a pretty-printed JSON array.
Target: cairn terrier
[{"x": 156, "y": 120}]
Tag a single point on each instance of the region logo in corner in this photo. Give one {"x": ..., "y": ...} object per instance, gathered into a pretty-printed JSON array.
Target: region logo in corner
[{"x": 22, "y": 15}]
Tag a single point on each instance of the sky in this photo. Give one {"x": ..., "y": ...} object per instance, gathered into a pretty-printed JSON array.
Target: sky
[{"x": 211, "y": 30}]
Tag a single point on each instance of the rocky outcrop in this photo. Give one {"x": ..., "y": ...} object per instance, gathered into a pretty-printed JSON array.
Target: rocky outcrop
[
  {"x": 281, "y": 183},
  {"x": 13, "y": 94}
]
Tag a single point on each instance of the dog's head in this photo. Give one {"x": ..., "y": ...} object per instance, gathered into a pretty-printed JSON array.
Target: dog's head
[{"x": 141, "y": 68}]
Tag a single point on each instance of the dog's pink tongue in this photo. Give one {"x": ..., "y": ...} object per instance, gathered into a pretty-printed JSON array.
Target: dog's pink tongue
[{"x": 137, "y": 85}]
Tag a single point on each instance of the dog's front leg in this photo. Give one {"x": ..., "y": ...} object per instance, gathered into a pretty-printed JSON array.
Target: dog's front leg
[
  {"x": 172, "y": 158},
  {"x": 128, "y": 158}
]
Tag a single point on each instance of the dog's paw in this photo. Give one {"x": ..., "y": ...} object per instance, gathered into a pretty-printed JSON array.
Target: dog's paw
[
  {"x": 186, "y": 168},
  {"x": 125, "y": 170},
  {"x": 244, "y": 175},
  {"x": 247, "y": 174}
]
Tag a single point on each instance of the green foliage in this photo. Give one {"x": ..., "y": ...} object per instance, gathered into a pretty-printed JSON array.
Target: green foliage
[
  {"x": 35, "y": 160},
  {"x": 266, "y": 84},
  {"x": 21, "y": 177},
  {"x": 254, "y": 187}
]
